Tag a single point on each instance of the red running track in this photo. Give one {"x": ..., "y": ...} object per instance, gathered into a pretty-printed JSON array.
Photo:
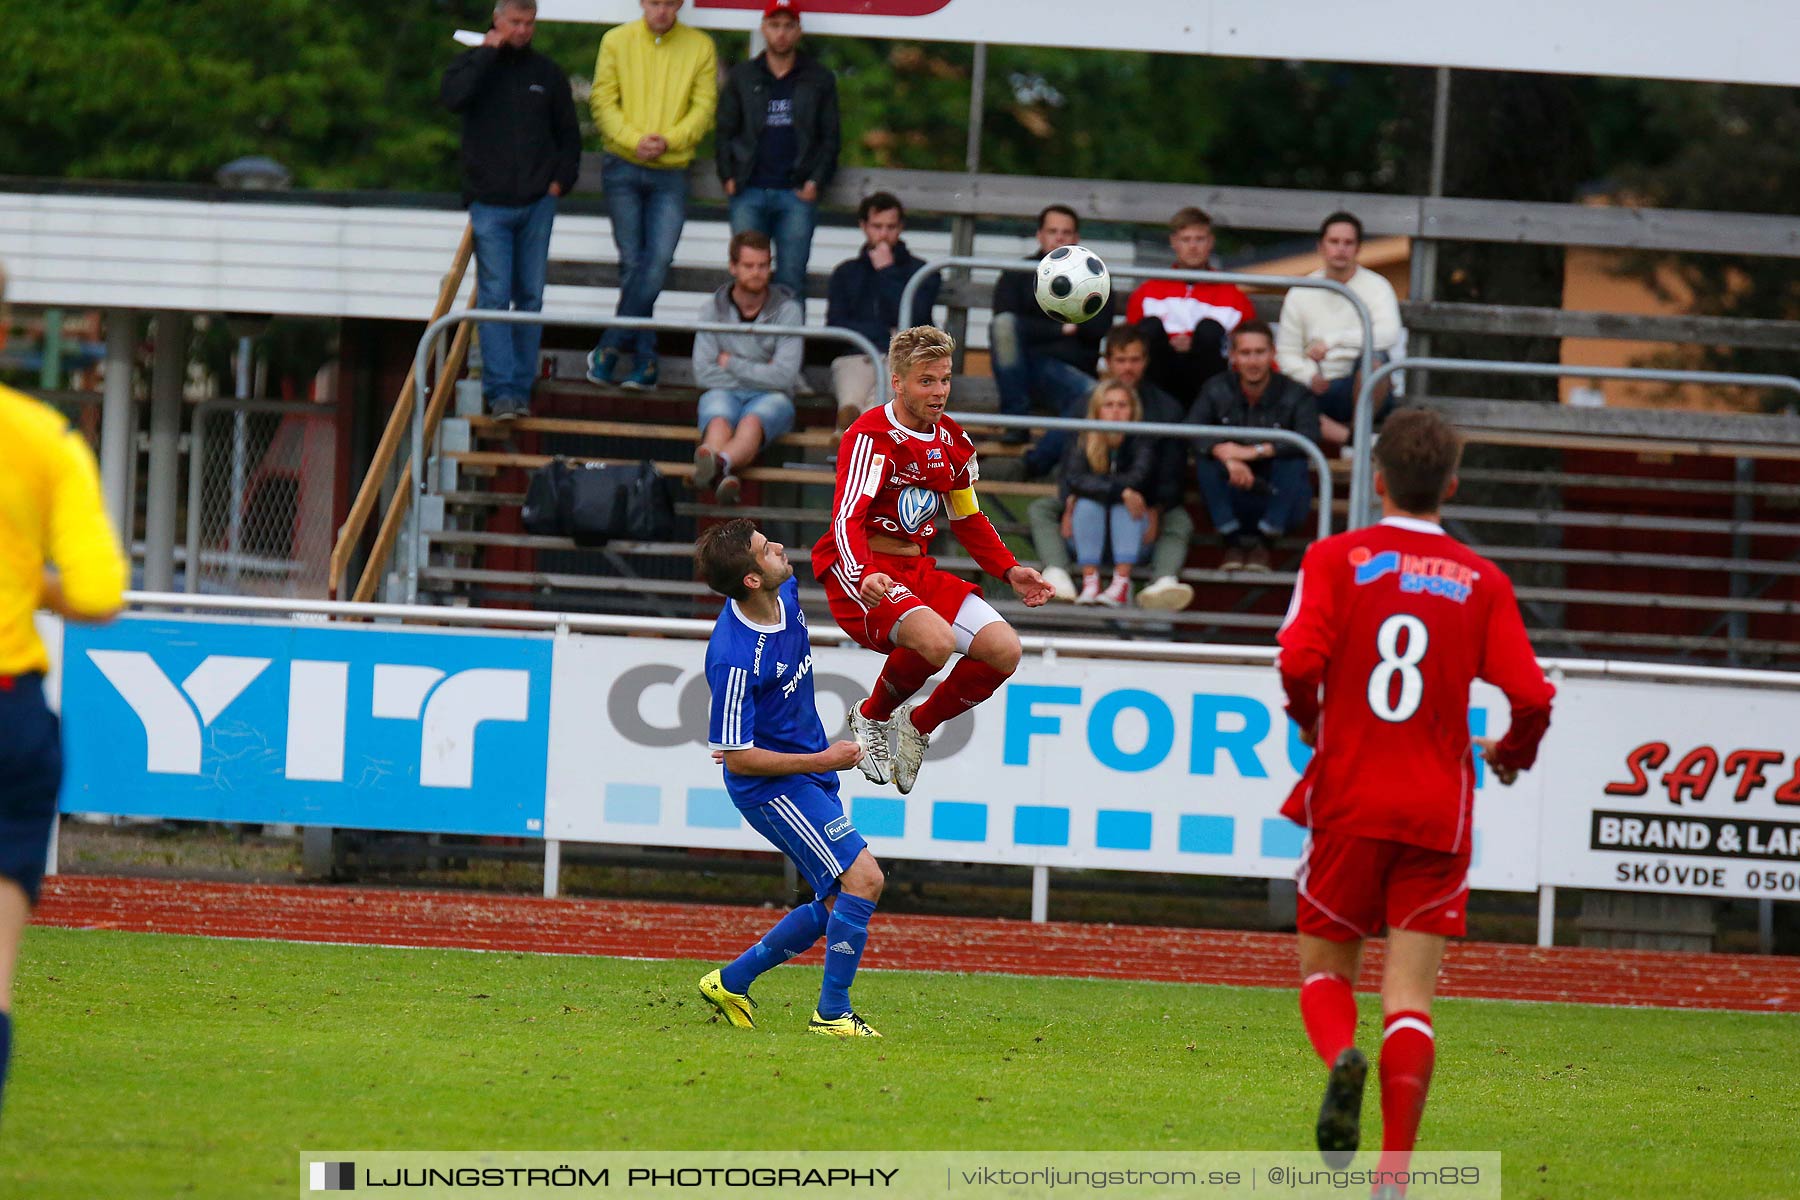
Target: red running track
[{"x": 714, "y": 932}]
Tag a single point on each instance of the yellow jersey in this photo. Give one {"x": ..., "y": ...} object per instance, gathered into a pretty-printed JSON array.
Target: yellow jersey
[{"x": 51, "y": 514}]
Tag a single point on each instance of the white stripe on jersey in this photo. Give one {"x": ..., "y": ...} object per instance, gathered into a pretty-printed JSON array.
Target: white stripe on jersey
[
  {"x": 861, "y": 457},
  {"x": 806, "y": 833},
  {"x": 734, "y": 706}
]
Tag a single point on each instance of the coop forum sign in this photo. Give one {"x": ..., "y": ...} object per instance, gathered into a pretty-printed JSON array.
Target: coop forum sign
[{"x": 1728, "y": 41}]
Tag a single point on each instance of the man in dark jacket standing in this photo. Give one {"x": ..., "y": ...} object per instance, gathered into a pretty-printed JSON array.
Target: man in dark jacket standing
[
  {"x": 1255, "y": 490},
  {"x": 777, "y": 141},
  {"x": 521, "y": 149},
  {"x": 864, "y": 296},
  {"x": 1036, "y": 356}
]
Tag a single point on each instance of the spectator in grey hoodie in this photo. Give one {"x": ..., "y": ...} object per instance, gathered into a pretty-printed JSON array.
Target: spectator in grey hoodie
[{"x": 749, "y": 377}]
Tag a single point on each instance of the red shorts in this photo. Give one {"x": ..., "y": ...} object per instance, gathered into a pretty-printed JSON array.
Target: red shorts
[
  {"x": 917, "y": 584},
  {"x": 1351, "y": 886}
]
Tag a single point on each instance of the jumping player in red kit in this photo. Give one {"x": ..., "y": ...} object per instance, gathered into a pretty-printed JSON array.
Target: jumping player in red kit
[
  {"x": 1388, "y": 627},
  {"x": 902, "y": 468}
]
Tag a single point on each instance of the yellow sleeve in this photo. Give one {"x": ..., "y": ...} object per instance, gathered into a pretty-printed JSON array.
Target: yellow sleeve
[
  {"x": 703, "y": 100},
  {"x": 606, "y": 102},
  {"x": 83, "y": 547}
]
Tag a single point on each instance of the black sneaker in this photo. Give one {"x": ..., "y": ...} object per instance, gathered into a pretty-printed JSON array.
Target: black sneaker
[{"x": 1340, "y": 1113}]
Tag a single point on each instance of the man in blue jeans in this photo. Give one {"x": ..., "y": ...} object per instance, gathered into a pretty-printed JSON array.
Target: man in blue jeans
[
  {"x": 778, "y": 143},
  {"x": 655, "y": 90},
  {"x": 1256, "y": 490},
  {"x": 1037, "y": 357},
  {"x": 521, "y": 149}
]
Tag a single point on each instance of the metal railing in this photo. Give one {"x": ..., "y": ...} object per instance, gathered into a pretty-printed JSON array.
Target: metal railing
[
  {"x": 1361, "y": 502},
  {"x": 415, "y": 527},
  {"x": 1227, "y": 433},
  {"x": 363, "y": 507},
  {"x": 1359, "y": 481}
]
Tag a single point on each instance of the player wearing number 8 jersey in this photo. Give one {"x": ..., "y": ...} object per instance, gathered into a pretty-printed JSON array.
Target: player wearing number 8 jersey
[{"x": 1388, "y": 628}]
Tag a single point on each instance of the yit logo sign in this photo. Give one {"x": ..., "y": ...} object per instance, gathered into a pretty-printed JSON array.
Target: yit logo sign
[
  {"x": 332, "y": 1176},
  {"x": 447, "y": 707}
]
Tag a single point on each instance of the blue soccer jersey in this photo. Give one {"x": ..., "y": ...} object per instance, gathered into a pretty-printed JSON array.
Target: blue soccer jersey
[{"x": 762, "y": 695}]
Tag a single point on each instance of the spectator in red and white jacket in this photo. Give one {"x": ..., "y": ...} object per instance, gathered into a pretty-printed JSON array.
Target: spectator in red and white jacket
[{"x": 1188, "y": 325}]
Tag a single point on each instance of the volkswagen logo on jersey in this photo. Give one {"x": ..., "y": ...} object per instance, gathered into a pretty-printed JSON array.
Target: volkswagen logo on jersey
[{"x": 916, "y": 507}]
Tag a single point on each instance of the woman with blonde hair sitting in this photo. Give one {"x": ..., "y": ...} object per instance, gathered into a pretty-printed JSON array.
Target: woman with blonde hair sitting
[{"x": 1102, "y": 482}]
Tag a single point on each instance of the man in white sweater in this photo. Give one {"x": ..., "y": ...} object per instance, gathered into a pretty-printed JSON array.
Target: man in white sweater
[{"x": 1320, "y": 339}]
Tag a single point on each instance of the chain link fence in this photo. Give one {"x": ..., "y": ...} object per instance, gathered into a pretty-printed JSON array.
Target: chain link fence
[{"x": 260, "y": 498}]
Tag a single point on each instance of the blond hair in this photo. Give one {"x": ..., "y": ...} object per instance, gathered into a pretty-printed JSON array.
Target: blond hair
[
  {"x": 922, "y": 343},
  {"x": 1098, "y": 446}
]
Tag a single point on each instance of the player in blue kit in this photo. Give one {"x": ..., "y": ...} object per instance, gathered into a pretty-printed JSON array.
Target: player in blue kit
[{"x": 781, "y": 772}]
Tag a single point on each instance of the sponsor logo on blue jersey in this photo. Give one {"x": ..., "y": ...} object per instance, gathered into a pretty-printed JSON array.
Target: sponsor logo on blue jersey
[{"x": 838, "y": 828}]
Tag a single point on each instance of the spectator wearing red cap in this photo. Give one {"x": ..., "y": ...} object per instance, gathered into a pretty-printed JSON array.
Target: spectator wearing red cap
[{"x": 778, "y": 142}]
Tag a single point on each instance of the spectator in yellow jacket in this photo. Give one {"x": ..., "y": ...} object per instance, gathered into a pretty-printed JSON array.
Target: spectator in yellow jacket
[{"x": 656, "y": 88}]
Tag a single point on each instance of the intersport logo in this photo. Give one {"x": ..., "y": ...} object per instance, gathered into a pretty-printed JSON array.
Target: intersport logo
[{"x": 447, "y": 707}]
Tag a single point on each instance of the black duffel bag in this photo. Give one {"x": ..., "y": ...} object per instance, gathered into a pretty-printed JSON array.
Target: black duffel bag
[{"x": 595, "y": 504}]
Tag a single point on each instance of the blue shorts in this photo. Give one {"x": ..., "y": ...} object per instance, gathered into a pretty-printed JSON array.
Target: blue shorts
[
  {"x": 30, "y": 774},
  {"x": 774, "y": 409},
  {"x": 808, "y": 825}
]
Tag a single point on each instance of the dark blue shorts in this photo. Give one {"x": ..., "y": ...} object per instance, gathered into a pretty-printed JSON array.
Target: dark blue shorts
[
  {"x": 808, "y": 824},
  {"x": 30, "y": 773}
]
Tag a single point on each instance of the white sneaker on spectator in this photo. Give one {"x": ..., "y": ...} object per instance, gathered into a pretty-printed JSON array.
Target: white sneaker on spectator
[
  {"x": 1117, "y": 593},
  {"x": 1061, "y": 586},
  {"x": 1166, "y": 593},
  {"x": 1090, "y": 589}
]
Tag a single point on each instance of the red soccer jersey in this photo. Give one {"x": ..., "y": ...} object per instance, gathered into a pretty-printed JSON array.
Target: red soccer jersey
[
  {"x": 1182, "y": 306},
  {"x": 1392, "y": 624},
  {"x": 898, "y": 481}
]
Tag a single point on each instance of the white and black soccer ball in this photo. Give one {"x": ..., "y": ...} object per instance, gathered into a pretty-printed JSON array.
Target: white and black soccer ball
[{"x": 1073, "y": 284}]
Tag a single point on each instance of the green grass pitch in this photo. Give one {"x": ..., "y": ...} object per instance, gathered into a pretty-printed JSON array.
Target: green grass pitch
[{"x": 172, "y": 1066}]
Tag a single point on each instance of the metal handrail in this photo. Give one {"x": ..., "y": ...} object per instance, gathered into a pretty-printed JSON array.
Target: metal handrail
[
  {"x": 1231, "y": 433},
  {"x": 1359, "y": 474},
  {"x": 1360, "y": 505},
  {"x": 415, "y": 538},
  {"x": 557, "y": 622}
]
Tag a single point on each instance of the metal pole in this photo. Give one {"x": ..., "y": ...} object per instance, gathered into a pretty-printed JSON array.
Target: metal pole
[
  {"x": 1365, "y": 417},
  {"x": 962, "y": 226},
  {"x": 1743, "y": 509},
  {"x": 415, "y": 533},
  {"x": 1040, "y": 895},
  {"x": 1546, "y": 916},
  {"x": 240, "y": 452},
  {"x": 1425, "y": 250},
  {"x": 50, "y": 370},
  {"x": 115, "y": 420},
  {"x": 166, "y": 372},
  {"x": 552, "y": 868},
  {"x": 196, "y": 495}
]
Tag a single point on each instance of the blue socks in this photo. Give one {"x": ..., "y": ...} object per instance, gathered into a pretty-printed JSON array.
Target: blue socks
[
  {"x": 794, "y": 934},
  {"x": 845, "y": 936},
  {"x": 5, "y": 1049}
]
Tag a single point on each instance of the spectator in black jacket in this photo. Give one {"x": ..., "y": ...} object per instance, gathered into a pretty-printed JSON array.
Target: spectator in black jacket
[
  {"x": 1036, "y": 356},
  {"x": 865, "y": 296},
  {"x": 1171, "y": 530},
  {"x": 521, "y": 149},
  {"x": 1104, "y": 482},
  {"x": 1255, "y": 490},
  {"x": 777, "y": 141}
]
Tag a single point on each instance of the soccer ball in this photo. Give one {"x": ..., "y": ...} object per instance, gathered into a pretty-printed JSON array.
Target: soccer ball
[{"x": 1072, "y": 284}]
